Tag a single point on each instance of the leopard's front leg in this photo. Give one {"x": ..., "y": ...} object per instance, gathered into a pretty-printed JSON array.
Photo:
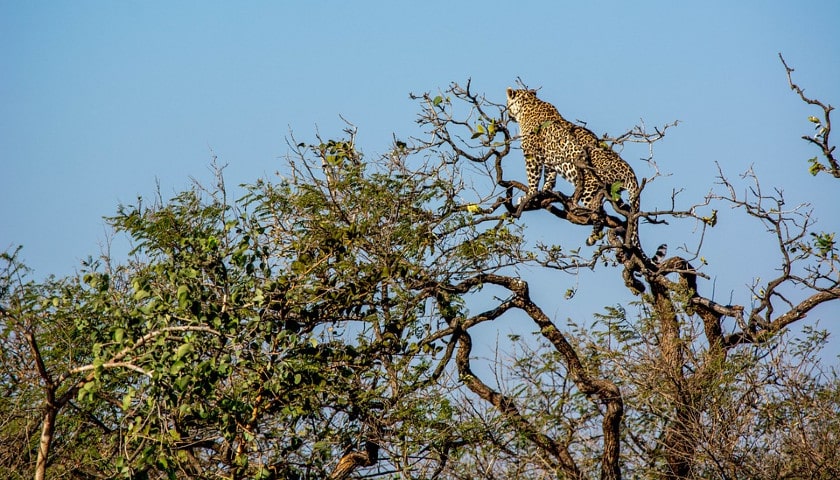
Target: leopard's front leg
[{"x": 533, "y": 167}]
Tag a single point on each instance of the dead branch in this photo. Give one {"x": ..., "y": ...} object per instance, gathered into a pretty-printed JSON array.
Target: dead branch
[{"x": 823, "y": 128}]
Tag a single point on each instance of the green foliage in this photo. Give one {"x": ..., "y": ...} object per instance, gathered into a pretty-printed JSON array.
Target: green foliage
[
  {"x": 542, "y": 126},
  {"x": 815, "y": 166},
  {"x": 711, "y": 220},
  {"x": 268, "y": 335},
  {"x": 615, "y": 190},
  {"x": 259, "y": 337},
  {"x": 486, "y": 126},
  {"x": 825, "y": 245}
]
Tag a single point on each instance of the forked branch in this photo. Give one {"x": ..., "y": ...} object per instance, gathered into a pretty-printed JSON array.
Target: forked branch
[{"x": 822, "y": 127}]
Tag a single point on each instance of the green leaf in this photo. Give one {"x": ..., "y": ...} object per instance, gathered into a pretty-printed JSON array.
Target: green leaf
[
  {"x": 824, "y": 242},
  {"x": 711, "y": 220},
  {"x": 543, "y": 125},
  {"x": 437, "y": 100},
  {"x": 183, "y": 382},
  {"x": 177, "y": 367},
  {"x": 182, "y": 294},
  {"x": 816, "y": 167},
  {"x": 127, "y": 398},
  {"x": 615, "y": 190},
  {"x": 183, "y": 350}
]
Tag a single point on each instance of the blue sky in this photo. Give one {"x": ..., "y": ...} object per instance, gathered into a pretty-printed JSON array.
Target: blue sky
[{"x": 100, "y": 99}]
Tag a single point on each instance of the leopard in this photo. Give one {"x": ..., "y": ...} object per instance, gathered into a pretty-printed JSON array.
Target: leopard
[{"x": 553, "y": 145}]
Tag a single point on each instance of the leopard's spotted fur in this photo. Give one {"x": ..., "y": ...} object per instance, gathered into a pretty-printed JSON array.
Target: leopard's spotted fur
[{"x": 553, "y": 144}]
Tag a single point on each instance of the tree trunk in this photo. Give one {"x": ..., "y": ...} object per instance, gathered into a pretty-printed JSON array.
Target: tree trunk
[
  {"x": 678, "y": 445},
  {"x": 47, "y": 431},
  {"x": 677, "y": 442}
]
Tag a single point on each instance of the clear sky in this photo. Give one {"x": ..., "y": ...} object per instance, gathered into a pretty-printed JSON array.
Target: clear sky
[{"x": 100, "y": 99}]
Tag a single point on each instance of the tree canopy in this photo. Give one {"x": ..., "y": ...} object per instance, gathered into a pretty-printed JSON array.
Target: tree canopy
[{"x": 324, "y": 322}]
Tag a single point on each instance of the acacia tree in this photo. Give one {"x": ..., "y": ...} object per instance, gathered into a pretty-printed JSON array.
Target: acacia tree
[
  {"x": 256, "y": 338},
  {"x": 688, "y": 375},
  {"x": 323, "y": 324}
]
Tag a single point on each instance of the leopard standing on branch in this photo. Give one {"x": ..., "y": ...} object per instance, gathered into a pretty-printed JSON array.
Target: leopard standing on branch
[{"x": 552, "y": 143}]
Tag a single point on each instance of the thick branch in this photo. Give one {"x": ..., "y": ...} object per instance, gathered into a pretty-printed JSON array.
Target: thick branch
[
  {"x": 39, "y": 361},
  {"x": 353, "y": 460},
  {"x": 761, "y": 330},
  {"x": 507, "y": 408},
  {"x": 606, "y": 392},
  {"x": 50, "y": 409}
]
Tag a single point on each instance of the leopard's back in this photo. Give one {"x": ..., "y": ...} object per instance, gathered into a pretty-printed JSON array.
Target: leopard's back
[
  {"x": 554, "y": 145},
  {"x": 551, "y": 141},
  {"x": 548, "y": 139},
  {"x": 609, "y": 168}
]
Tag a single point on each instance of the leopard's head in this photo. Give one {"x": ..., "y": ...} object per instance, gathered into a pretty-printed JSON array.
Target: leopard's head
[{"x": 518, "y": 100}]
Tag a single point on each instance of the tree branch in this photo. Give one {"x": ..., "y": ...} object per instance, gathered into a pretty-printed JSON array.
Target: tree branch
[{"x": 823, "y": 127}]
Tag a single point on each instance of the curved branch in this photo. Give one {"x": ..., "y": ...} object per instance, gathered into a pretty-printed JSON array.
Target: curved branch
[
  {"x": 760, "y": 330},
  {"x": 823, "y": 127},
  {"x": 508, "y": 409},
  {"x": 606, "y": 392},
  {"x": 353, "y": 460}
]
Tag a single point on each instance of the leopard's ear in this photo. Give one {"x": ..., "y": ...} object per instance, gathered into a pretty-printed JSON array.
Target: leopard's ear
[{"x": 511, "y": 92}]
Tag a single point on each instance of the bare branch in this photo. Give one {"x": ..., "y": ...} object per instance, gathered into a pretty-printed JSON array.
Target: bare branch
[{"x": 823, "y": 128}]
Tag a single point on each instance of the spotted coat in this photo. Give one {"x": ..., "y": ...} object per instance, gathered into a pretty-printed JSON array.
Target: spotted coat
[{"x": 553, "y": 145}]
